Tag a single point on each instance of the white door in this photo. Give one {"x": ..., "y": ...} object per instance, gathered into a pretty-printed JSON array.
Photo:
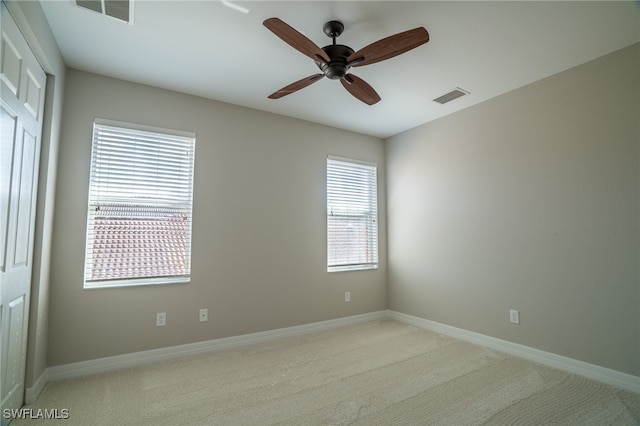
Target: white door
[{"x": 22, "y": 84}]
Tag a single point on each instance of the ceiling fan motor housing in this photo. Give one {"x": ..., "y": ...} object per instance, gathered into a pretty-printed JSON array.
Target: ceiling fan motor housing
[{"x": 337, "y": 67}]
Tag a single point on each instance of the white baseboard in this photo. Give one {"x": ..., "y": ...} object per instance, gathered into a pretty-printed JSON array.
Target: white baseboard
[
  {"x": 102, "y": 365},
  {"x": 31, "y": 394},
  {"x": 591, "y": 371}
]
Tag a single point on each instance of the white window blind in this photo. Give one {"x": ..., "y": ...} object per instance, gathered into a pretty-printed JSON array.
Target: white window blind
[
  {"x": 140, "y": 200},
  {"x": 352, "y": 215}
]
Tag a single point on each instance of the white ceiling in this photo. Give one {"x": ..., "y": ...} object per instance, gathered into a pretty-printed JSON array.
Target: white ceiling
[{"x": 207, "y": 49}]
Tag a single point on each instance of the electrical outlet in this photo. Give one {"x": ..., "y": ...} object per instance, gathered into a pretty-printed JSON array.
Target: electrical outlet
[
  {"x": 204, "y": 315},
  {"x": 161, "y": 319},
  {"x": 514, "y": 316},
  {"x": 347, "y": 296}
]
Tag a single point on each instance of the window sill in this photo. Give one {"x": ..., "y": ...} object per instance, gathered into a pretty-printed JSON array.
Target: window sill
[
  {"x": 135, "y": 282},
  {"x": 346, "y": 268}
]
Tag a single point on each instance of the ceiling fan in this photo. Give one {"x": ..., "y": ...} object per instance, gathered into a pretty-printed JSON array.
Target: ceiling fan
[{"x": 335, "y": 60}]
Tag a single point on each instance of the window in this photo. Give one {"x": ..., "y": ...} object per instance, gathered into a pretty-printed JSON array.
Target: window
[
  {"x": 352, "y": 215},
  {"x": 140, "y": 198}
]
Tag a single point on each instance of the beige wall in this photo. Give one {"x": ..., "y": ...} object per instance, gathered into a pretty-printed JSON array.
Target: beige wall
[
  {"x": 529, "y": 201},
  {"x": 34, "y": 27},
  {"x": 259, "y": 237}
]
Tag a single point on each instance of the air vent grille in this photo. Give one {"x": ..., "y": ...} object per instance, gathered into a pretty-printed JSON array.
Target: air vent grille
[
  {"x": 119, "y": 9},
  {"x": 448, "y": 97}
]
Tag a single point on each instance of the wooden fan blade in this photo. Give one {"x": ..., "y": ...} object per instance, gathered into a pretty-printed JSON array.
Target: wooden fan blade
[
  {"x": 294, "y": 87},
  {"x": 295, "y": 39},
  {"x": 360, "y": 89},
  {"x": 389, "y": 47}
]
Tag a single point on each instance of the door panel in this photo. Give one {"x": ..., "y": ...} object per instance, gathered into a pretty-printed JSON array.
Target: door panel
[
  {"x": 21, "y": 108},
  {"x": 11, "y": 66},
  {"x": 14, "y": 375},
  {"x": 8, "y": 125},
  {"x": 33, "y": 95},
  {"x": 25, "y": 185}
]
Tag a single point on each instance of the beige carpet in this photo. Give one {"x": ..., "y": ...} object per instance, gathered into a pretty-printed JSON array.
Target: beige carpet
[{"x": 376, "y": 373}]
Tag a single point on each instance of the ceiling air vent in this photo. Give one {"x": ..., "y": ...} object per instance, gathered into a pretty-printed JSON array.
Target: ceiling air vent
[
  {"x": 119, "y": 9},
  {"x": 448, "y": 97}
]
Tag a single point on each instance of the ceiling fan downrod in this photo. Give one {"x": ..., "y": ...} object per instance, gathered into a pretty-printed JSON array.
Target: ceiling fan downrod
[{"x": 333, "y": 29}]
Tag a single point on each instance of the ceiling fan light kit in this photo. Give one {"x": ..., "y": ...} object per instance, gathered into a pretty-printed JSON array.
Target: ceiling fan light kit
[{"x": 335, "y": 60}]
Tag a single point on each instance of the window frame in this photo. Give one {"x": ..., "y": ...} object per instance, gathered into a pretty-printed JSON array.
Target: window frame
[
  {"x": 184, "y": 207},
  {"x": 371, "y": 260}
]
